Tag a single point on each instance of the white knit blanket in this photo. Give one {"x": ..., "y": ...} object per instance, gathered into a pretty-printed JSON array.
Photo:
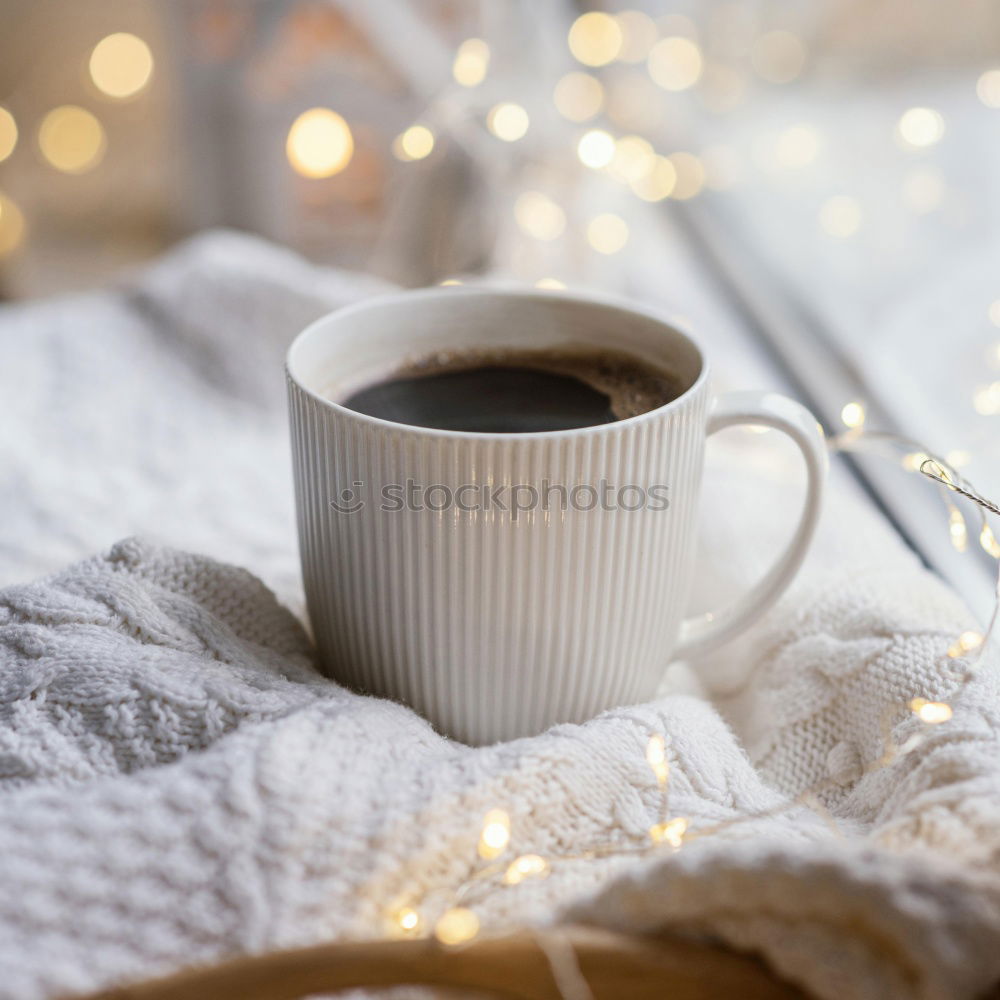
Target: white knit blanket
[{"x": 178, "y": 783}]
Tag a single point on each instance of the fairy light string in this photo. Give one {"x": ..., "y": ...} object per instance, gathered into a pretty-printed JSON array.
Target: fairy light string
[{"x": 499, "y": 867}]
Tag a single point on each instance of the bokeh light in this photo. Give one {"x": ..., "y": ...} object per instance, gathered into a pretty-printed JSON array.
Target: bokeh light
[
  {"x": 633, "y": 159},
  {"x": 778, "y": 56},
  {"x": 552, "y": 284},
  {"x": 796, "y": 147},
  {"x": 675, "y": 63},
  {"x": 8, "y": 134},
  {"x": 988, "y": 88},
  {"x": 920, "y": 127},
  {"x": 495, "y": 834},
  {"x": 539, "y": 216},
  {"x": 840, "y": 216},
  {"x": 508, "y": 121},
  {"x": 472, "y": 60},
  {"x": 853, "y": 415},
  {"x": 11, "y": 226},
  {"x": 607, "y": 233},
  {"x": 578, "y": 96},
  {"x": 596, "y": 148},
  {"x": 71, "y": 139},
  {"x": 524, "y": 867},
  {"x": 406, "y": 921},
  {"x": 986, "y": 399},
  {"x": 121, "y": 65},
  {"x": 994, "y": 312},
  {"x": 456, "y": 926},
  {"x": 923, "y": 189},
  {"x": 658, "y": 182},
  {"x": 931, "y": 712},
  {"x": 319, "y": 143},
  {"x": 639, "y": 35},
  {"x": 413, "y": 144},
  {"x": 690, "y": 175},
  {"x": 595, "y": 38}
]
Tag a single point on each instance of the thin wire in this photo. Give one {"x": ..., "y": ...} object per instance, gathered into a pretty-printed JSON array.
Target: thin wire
[{"x": 564, "y": 964}]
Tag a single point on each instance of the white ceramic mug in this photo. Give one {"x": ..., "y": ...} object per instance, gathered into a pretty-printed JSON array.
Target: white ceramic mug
[{"x": 496, "y": 619}]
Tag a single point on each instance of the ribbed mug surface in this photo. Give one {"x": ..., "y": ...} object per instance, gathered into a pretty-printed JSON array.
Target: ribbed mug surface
[{"x": 493, "y": 623}]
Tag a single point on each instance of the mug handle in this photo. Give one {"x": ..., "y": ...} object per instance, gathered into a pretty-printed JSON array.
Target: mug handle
[{"x": 767, "y": 409}]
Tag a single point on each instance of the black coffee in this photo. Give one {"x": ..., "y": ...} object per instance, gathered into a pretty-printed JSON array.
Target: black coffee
[{"x": 511, "y": 391}]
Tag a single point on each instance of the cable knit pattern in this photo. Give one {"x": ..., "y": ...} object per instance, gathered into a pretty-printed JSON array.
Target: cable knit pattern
[{"x": 179, "y": 783}]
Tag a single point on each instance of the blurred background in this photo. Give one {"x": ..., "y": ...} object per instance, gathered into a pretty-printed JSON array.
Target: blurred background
[
  {"x": 828, "y": 169},
  {"x": 420, "y": 138}
]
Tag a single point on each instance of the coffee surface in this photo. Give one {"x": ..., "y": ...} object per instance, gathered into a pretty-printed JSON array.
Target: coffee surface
[{"x": 517, "y": 391}]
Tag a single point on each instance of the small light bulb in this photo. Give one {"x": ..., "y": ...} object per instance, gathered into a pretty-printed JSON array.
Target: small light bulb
[
  {"x": 526, "y": 866},
  {"x": 965, "y": 643},
  {"x": 671, "y": 832},
  {"x": 495, "y": 835},
  {"x": 957, "y": 529},
  {"x": 931, "y": 712},
  {"x": 456, "y": 926},
  {"x": 853, "y": 415},
  {"x": 405, "y": 922},
  {"x": 656, "y": 757},
  {"x": 988, "y": 541},
  {"x": 319, "y": 143}
]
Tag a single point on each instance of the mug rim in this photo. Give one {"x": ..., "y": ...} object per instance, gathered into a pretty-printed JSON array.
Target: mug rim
[{"x": 546, "y": 295}]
